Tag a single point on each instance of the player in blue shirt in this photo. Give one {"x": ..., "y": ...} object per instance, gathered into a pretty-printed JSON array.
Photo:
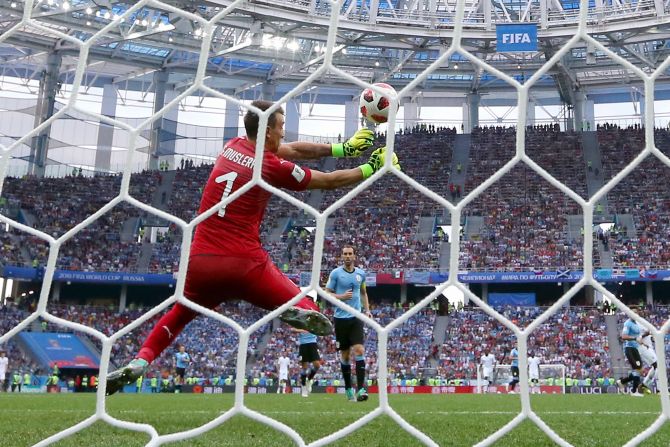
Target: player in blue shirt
[
  {"x": 347, "y": 283},
  {"x": 182, "y": 360},
  {"x": 310, "y": 360},
  {"x": 514, "y": 356},
  {"x": 631, "y": 336}
]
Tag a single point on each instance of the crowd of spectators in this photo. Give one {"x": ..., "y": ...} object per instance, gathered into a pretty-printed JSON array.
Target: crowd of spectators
[
  {"x": 525, "y": 222},
  {"x": 19, "y": 360},
  {"x": 211, "y": 344},
  {"x": 408, "y": 348},
  {"x": 642, "y": 194},
  {"x": 386, "y": 217},
  {"x": 575, "y": 337},
  {"x": 56, "y": 205},
  {"x": 10, "y": 254}
]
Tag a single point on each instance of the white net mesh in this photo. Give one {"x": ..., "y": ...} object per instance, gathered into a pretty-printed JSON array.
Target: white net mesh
[{"x": 327, "y": 66}]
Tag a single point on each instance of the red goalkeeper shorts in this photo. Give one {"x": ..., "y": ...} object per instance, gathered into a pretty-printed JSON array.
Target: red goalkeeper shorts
[{"x": 213, "y": 279}]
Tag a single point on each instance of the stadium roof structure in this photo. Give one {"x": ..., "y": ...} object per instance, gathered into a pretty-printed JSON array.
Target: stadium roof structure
[{"x": 282, "y": 41}]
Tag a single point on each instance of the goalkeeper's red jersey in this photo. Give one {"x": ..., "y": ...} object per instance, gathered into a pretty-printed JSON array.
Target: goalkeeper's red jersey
[{"x": 234, "y": 229}]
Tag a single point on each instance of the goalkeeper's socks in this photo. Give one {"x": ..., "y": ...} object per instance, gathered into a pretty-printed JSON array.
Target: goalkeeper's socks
[
  {"x": 346, "y": 374},
  {"x": 139, "y": 362},
  {"x": 312, "y": 372},
  {"x": 166, "y": 331},
  {"x": 360, "y": 371}
]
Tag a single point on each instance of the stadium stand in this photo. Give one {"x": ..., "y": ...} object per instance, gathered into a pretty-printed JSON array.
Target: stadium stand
[
  {"x": 212, "y": 345},
  {"x": 525, "y": 217},
  {"x": 386, "y": 217},
  {"x": 640, "y": 195},
  {"x": 575, "y": 337}
]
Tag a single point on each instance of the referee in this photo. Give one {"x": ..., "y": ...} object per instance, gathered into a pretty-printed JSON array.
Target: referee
[{"x": 347, "y": 283}]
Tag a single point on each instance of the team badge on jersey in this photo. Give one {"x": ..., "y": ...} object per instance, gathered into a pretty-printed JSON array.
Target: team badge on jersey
[
  {"x": 298, "y": 173},
  {"x": 358, "y": 278}
]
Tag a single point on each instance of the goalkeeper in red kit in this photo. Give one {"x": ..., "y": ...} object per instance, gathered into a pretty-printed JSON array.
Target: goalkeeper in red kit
[{"x": 227, "y": 260}]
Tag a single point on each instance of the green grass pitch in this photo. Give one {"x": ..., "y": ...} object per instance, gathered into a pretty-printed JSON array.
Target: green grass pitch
[{"x": 450, "y": 420}]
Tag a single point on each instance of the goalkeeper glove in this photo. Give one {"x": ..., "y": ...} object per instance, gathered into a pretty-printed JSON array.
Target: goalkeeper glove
[
  {"x": 376, "y": 162},
  {"x": 354, "y": 146}
]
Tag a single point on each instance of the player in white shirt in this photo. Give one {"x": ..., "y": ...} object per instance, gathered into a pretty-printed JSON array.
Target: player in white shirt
[
  {"x": 534, "y": 371},
  {"x": 648, "y": 356},
  {"x": 4, "y": 362},
  {"x": 487, "y": 363},
  {"x": 282, "y": 365}
]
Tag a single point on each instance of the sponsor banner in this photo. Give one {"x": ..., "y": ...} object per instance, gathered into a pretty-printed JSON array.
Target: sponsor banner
[
  {"x": 512, "y": 299},
  {"x": 33, "y": 389},
  {"x": 521, "y": 277},
  {"x": 114, "y": 277},
  {"x": 417, "y": 277},
  {"x": 455, "y": 389},
  {"x": 628, "y": 274},
  {"x": 250, "y": 389},
  {"x": 207, "y": 389},
  {"x": 53, "y": 389},
  {"x": 422, "y": 389},
  {"x": 604, "y": 274},
  {"x": 511, "y": 38},
  {"x": 374, "y": 389},
  {"x": 611, "y": 389},
  {"x": 32, "y": 274},
  {"x": 371, "y": 279},
  {"x": 502, "y": 389},
  {"x": 26, "y": 273},
  {"x": 510, "y": 277},
  {"x": 388, "y": 278},
  {"x": 64, "y": 350}
]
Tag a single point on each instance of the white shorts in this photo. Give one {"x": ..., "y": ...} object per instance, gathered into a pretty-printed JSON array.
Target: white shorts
[
  {"x": 647, "y": 354},
  {"x": 487, "y": 373},
  {"x": 534, "y": 375},
  {"x": 283, "y": 375}
]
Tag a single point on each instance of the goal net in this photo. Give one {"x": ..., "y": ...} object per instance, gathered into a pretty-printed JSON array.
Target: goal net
[
  {"x": 551, "y": 380},
  {"x": 322, "y": 66}
]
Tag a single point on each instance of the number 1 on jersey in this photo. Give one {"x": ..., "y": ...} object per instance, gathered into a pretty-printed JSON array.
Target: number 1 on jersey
[{"x": 229, "y": 179}]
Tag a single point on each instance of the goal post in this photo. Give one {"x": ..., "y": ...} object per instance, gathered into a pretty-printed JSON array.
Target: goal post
[{"x": 551, "y": 380}]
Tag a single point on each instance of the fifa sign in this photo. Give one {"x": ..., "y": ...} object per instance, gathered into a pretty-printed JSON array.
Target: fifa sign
[
  {"x": 516, "y": 38},
  {"x": 510, "y": 38}
]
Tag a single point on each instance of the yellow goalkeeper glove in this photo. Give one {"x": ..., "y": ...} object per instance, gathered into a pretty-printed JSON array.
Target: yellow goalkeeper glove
[
  {"x": 376, "y": 162},
  {"x": 354, "y": 146}
]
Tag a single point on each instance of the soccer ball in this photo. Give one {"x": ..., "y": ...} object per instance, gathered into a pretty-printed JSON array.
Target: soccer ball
[{"x": 375, "y": 106}]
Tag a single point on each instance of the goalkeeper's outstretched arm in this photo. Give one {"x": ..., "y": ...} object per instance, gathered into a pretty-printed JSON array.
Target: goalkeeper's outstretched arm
[
  {"x": 346, "y": 177},
  {"x": 302, "y": 150}
]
